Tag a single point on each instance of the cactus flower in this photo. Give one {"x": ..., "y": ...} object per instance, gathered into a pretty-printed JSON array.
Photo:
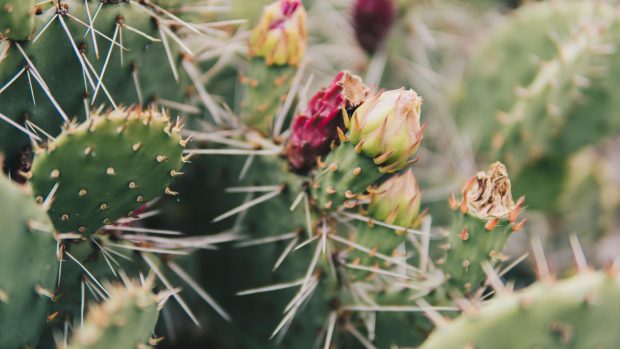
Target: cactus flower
[
  {"x": 280, "y": 36},
  {"x": 386, "y": 127},
  {"x": 397, "y": 201},
  {"x": 314, "y": 131},
  {"x": 372, "y": 20}
]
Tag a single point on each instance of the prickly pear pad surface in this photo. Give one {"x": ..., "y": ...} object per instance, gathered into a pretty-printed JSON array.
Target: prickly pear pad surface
[
  {"x": 126, "y": 321},
  {"x": 107, "y": 167},
  {"x": 28, "y": 267},
  {"x": 567, "y": 314}
]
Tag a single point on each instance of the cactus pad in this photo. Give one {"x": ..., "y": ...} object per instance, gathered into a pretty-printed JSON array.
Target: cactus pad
[
  {"x": 107, "y": 167},
  {"x": 28, "y": 246},
  {"x": 126, "y": 321},
  {"x": 572, "y": 313}
]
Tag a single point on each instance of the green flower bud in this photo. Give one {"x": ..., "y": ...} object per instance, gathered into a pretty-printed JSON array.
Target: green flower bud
[
  {"x": 281, "y": 35},
  {"x": 397, "y": 201},
  {"x": 387, "y": 128}
]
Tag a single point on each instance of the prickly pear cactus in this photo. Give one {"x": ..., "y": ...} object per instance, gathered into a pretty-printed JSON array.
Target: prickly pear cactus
[
  {"x": 130, "y": 57},
  {"x": 28, "y": 245},
  {"x": 556, "y": 98},
  {"x": 549, "y": 314},
  {"x": 107, "y": 167},
  {"x": 277, "y": 47},
  {"x": 483, "y": 220},
  {"x": 127, "y": 320}
]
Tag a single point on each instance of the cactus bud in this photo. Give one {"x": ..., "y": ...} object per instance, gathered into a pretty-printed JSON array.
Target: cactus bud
[
  {"x": 314, "y": 131},
  {"x": 489, "y": 195},
  {"x": 386, "y": 127},
  {"x": 397, "y": 201},
  {"x": 372, "y": 20},
  {"x": 280, "y": 36}
]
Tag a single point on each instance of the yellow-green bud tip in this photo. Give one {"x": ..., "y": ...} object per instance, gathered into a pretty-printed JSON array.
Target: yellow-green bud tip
[
  {"x": 280, "y": 37},
  {"x": 386, "y": 127}
]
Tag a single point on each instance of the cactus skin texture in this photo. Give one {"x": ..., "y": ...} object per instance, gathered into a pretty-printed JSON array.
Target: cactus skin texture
[
  {"x": 127, "y": 321},
  {"x": 16, "y": 19},
  {"x": 28, "y": 246},
  {"x": 550, "y": 108},
  {"x": 277, "y": 46},
  {"x": 571, "y": 313},
  {"x": 483, "y": 221},
  {"x": 54, "y": 58},
  {"x": 107, "y": 167}
]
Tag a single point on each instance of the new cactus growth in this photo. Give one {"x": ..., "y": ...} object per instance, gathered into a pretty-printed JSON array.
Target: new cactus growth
[
  {"x": 17, "y": 19},
  {"x": 483, "y": 220},
  {"x": 127, "y": 320},
  {"x": 107, "y": 167},
  {"x": 277, "y": 47},
  {"x": 28, "y": 246},
  {"x": 384, "y": 134},
  {"x": 397, "y": 203}
]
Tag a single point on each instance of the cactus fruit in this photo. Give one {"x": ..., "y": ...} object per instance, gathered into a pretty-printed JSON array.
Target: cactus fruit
[
  {"x": 372, "y": 20},
  {"x": 54, "y": 84},
  {"x": 277, "y": 47},
  {"x": 483, "y": 221},
  {"x": 28, "y": 246},
  {"x": 127, "y": 320},
  {"x": 570, "y": 313},
  {"x": 314, "y": 132},
  {"x": 16, "y": 19},
  {"x": 395, "y": 202},
  {"x": 107, "y": 167},
  {"x": 384, "y": 133}
]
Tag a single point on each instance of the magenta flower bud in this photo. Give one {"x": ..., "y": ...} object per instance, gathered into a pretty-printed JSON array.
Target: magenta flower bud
[
  {"x": 372, "y": 20},
  {"x": 315, "y": 130}
]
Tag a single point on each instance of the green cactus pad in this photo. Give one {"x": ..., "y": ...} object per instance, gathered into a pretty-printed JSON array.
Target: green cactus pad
[
  {"x": 28, "y": 267},
  {"x": 556, "y": 97},
  {"x": 346, "y": 175},
  {"x": 266, "y": 88},
  {"x": 126, "y": 321},
  {"x": 483, "y": 221},
  {"x": 144, "y": 64},
  {"x": 107, "y": 167},
  {"x": 16, "y": 19},
  {"x": 573, "y": 313}
]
